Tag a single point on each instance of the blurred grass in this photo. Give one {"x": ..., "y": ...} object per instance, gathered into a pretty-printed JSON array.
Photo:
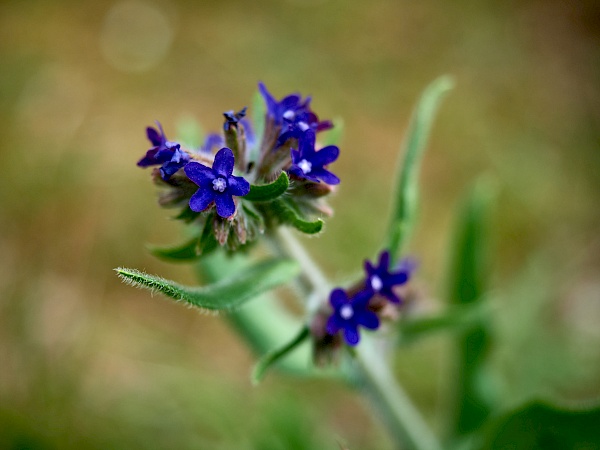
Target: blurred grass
[{"x": 87, "y": 362}]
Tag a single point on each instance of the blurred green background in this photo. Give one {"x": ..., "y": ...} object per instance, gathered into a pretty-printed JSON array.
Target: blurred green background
[{"x": 86, "y": 362}]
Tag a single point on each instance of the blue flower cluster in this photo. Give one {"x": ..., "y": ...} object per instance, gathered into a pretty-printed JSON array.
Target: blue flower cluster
[
  {"x": 203, "y": 183},
  {"x": 359, "y": 310}
]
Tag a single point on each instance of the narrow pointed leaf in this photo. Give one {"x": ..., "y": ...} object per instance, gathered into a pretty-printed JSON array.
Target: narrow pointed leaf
[
  {"x": 287, "y": 215},
  {"x": 467, "y": 286},
  {"x": 226, "y": 294},
  {"x": 268, "y": 192},
  {"x": 273, "y": 356},
  {"x": 413, "y": 147}
]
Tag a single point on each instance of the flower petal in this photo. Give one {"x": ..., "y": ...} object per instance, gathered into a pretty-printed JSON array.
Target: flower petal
[
  {"x": 224, "y": 161},
  {"x": 202, "y": 199},
  {"x": 337, "y": 298},
  {"x": 384, "y": 261},
  {"x": 368, "y": 319},
  {"x": 326, "y": 155},
  {"x": 351, "y": 335},
  {"x": 269, "y": 99},
  {"x": 307, "y": 144},
  {"x": 199, "y": 173},
  {"x": 388, "y": 293},
  {"x": 225, "y": 205},
  {"x": 397, "y": 278},
  {"x": 238, "y": 186},
  {"x": 333, "y": 325},
  {"x": 325, "y": 175},
  {"x": 154, "y": 136}
]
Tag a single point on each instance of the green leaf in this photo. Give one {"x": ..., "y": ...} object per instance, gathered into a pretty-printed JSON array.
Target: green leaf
[
  {"x": 273, "y": 356},
  {"x": 187, "y": 215},
  {"x": 334, "y": 135},
  {"x": 226, "y": 294},
  {"x": 189, "y": 132},
  {"x": 191, "y": 250},
  {"x": 268, "y": 192},
  {"x": 458, "y": 318},
  {"x": 540, "y": 426},
  {"x": 286, "y": 214},
  {"x": 413, "y": 148},
  {"x": 467, "y": 286}
]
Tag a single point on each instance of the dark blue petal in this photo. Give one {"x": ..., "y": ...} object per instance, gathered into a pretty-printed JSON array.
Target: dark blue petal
[
  {"x": 388, "y": 293},
  {"x": 149, "y": 159},
  {"x": 154, "y": 136},
  {"x": 396, "y": 279},
  {"x": 324, "y": 175},
  {"x": 225, "y": 205},
  {"x": 351, "y": 335},
  {"x": 212, "y": 140},
  {"x": 199, "y": 174},
  {"x": 307, "y": 144},
  {"x": 238, "y": 186},
  {"x": 326, "y": 155},
  {"x": 368, "y": 319},
  {"x": 384, "y": 261},
  {"x": 333, "y": 325},
  {"x": 338, "y": 298},
  {"x": 168, "y": 169},
  {"x": 224, "y": 161},
  {"x": 201, "y": 199},
  {"x": 269, "y": 100}
]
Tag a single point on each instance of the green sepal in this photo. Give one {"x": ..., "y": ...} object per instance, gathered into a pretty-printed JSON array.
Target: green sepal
[
  {"x": 268, "y": 192},
  {"x": 288, "y": 215},
  {"x": 226, "y": 294},
  {"x": 273, "y": 356},
  {"x": 412, "y": 149}
]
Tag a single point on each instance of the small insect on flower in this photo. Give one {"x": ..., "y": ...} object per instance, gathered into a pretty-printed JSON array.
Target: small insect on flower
[
  {"x": 216, "y": 184},
  {"x": 310, "y": 164},
  {"x": 349, "y": 313},
  {"x": 164, "y": 152},
  {"x": 380, "y": 280}
]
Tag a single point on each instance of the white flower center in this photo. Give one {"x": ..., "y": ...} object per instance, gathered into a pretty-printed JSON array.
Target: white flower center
[
  {"x": 305, "y": 166},
  {"x": 376, "y": 283},
  {"x": 289, "y": 115},
  {"x": 303, "y": 126},
  {"x": 346, "y": 312},
  {"x": 219, "y": 184}
]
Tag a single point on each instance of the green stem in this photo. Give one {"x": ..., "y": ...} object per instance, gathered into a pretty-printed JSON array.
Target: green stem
[{"x": 403, "y": 420}]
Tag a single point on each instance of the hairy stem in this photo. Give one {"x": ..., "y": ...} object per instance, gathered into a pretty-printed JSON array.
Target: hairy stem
[{"x": 404, "y": 422}]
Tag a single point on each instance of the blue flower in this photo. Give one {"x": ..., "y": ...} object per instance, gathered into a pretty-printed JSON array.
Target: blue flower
[
  {"x": 212, "y": 140},
  {"x": 164, "y": 152},
  {"x": 292, "y": 114},
  {"x": 309, "y": 164},
  {"x": 232, "y": 118},
  {"x": 349, "y": 314},
  {"x": 381, "y": 281},
  {"x": 216, "y": 184}
]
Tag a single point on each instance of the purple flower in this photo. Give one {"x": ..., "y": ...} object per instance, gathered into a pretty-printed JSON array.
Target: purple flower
[
  {"x": 349, "y": 313},
  {"x": 232, "y": 118},
  {"x": 164, "y": 152},
  {"x": 309, "y": 164},
  {"x": 381, "y": 281},
  {"x": 292, "y": 114},
  {"x": 216, "y": 184}
]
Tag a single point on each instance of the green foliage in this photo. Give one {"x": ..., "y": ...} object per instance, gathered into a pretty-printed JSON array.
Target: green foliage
[
  {"x": 286, "y": 213},
  {"x": 268, "y": 192},
  {"x": 334, "y": 136},
  {"x": 274, "y": 356},
  {"x": 226, "y": 294},
  {"x": 189, "y": 251},
  {"x": 540, "y": 426},
  {"x": 467, "y": 286},
  {"x": 189, "y": 133},
  {"x": 413, "y": 148},
  {"x": 259, "y": 111}
]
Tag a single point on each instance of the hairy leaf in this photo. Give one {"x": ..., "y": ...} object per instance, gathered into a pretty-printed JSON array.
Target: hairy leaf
[
  {"x": 288, "y": 215},
  {"x": 268, "y": 192},
  {"x": 413, "y": 147},
  {"x": 225, "y": 294}
]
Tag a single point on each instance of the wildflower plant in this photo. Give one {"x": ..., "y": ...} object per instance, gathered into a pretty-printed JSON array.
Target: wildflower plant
[{"x": 247, "y": 186}]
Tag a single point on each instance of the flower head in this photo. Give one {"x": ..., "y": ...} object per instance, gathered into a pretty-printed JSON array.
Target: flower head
[
  {"x": 349, "y": 313},
  {"x": 166, "y": 153},
  {"x": 216, "y": 184},
  {"x": 293, "y": 114},
  {"x": 309, "y": 164},
  {"x": 233, "y": 118},
  {"x": 381, "y": 281}
]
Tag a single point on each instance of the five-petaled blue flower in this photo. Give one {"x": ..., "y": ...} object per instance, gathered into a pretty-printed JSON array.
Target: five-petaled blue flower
[
  {"x": 349, "y": 313},
  {"x": 381, "y": 281},
  {"x": 309, "y": 164},
  {"x": 216, "y": 184},
  {"x": 292, "y": 114},
  {"x": 164, "y": 152}
]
